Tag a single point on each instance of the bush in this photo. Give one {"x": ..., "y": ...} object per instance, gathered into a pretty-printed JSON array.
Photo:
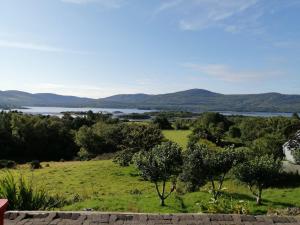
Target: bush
[
  {"x": 124, "y": 157},
  {"x": 35, "y": 165},
  {"x": 8, "y": 164},
  {"x": 225, "y": 206},
  {"x": 23, "y": 196}
]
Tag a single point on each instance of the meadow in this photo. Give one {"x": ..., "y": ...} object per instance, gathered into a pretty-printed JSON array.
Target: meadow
[{"x": 103, "y": 185}]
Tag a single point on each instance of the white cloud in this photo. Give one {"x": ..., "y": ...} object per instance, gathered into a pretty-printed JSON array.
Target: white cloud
[
  {"x": 36, "y": 47},
  {"x": 103, "y": 3},
  {"x": 226, "y": 73},
  {"x": 230, "y": 15}
]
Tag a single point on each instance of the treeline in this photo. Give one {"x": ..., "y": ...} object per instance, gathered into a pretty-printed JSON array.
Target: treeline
[{"x": 34, "y": 137}]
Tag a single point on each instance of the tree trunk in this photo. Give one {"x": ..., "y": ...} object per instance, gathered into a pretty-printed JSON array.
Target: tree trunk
[
  {"x": 258, "y": 197},
  {"x": 162, "y": 202}
]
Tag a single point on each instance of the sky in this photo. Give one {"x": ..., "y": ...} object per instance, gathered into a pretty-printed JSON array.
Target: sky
[{"x": 98, "y": 48}]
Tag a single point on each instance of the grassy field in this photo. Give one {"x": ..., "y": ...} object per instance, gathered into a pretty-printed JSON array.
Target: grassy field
[
  {"x": 104, "y": 186},
  {"x": 178, "y": 136}
]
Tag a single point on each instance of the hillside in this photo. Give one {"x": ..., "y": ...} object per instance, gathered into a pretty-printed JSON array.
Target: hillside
[{"x": 191, "y": 100}]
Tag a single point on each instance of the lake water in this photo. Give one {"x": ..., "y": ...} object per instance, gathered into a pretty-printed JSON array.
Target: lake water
[{"x": 57, "y": 111}]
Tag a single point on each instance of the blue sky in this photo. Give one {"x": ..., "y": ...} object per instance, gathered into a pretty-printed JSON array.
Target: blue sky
[{"x": 98, "y": 48}]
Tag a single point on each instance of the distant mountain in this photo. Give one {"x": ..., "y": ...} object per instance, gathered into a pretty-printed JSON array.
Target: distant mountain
[
  {"x": 191, "y": 100},
  {"x": 19, "y": 98}
]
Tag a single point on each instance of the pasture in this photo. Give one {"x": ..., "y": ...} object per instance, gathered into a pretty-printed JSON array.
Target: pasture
[{"x": 104, "y": 186}]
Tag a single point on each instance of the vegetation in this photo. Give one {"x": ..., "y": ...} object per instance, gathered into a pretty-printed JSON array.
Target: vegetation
[
  {"x": 23, "y": 196},
  {"x": 105, "y": 186},
  {"x": 159, "y": 165},
  {"x": 258, "y": 173},
  {"x": 204, "y": 165},
  {"x": 216, "y": 158},
  {"x": 162, "y": 122}
]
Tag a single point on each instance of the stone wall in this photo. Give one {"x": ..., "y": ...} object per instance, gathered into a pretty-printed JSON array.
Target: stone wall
[{"x": 96, "y": 218}]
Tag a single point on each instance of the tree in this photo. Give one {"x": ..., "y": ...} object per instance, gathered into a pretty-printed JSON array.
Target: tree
[
  {"x": 211, "y": 126},
  {"x": 98, "y": 139},
  {"x": 203, "y": 165},
  {"x": 162, "y": 122},
  {"x": 270, "y": 144},
  {"x": 234, "y": 132},
  {"x": 258, "y": 173},
  {"x": 135, "y": 138},
  {"x": 160, "y": 164}
]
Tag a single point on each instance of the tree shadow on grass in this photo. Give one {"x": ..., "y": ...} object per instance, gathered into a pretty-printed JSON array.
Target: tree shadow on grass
[
  {"x": 286, "y": 180},
  {"x": 265, "y": 202}
]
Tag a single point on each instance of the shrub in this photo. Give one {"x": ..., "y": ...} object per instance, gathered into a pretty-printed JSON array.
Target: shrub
[
  {"x": 35, "y": 165},
  {"x": 226, "y": 206},
  {"x": 8, "y": 164},
  {"x": 23, "y": 196},
  {"x": 124, "y": 157}
]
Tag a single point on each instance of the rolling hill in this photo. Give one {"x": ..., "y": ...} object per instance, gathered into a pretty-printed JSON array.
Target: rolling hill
[{"x": 191, "y": 100}]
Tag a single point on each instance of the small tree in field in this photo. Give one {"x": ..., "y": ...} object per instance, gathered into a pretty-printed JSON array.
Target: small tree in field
[
  {"x": 258, "y": 173},
  {"x": 159, "y": 165},
  {"x": 203, "y": 165}
]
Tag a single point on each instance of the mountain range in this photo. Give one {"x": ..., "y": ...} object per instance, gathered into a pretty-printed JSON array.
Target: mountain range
[{"x": 190, "y": 100}]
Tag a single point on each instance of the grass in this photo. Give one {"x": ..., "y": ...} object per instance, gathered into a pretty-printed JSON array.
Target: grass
[
  {"x": 178, "y": 136},
  {"x": 104, "y": 186}
]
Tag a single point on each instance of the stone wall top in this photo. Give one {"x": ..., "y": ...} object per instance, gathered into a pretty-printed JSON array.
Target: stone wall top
[{"x": 98, "y": 218}]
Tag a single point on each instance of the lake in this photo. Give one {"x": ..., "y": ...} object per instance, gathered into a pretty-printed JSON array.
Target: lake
[{"x": 57, "y": 111}]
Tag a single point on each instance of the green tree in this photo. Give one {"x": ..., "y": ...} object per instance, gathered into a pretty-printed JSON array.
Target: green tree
[
  {"x": 202, "y": 165},
  {"x": 162, "y": 122},
  {"x": 258, "y": 173},
  {"x": 269, "y": 144},
  {"x": 159, "y": 165},
  {"x": 135, "y": 138},
  {"x": 234, "y": 132}
]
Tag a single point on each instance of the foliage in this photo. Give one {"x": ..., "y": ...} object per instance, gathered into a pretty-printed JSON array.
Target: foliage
[
  {"x": 204, "y": 165},
  {"x": 137, "y": 137},
  {"x": 135, "y": 116},
  {"x": 23, "y": 196},
  {"x": 182, "y": 124},
  {"x": 162, "y": 122},
  {"x": 159, "y": 165},
  {"x": 270, "y": 144},
  {"x": 258, "y": 173},
  {"x": 225, "y": 206},
  {"x": 234, "y": 132},
  {"x": 8, "y": 164},
  {"x": 124, "y": 157},
  {"x": 211, "y": 126},
  {"x": 35, "y": 164}
]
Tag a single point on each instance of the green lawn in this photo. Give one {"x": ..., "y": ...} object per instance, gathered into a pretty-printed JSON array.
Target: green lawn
[
  {"x": 178, "y": 136},
  {"x": 104, "y": 186}
]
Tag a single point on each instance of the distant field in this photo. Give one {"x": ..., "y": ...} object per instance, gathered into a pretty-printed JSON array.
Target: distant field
[
  {"x": 178, "y": 136},
  {"x": 104, "y": 186}
]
